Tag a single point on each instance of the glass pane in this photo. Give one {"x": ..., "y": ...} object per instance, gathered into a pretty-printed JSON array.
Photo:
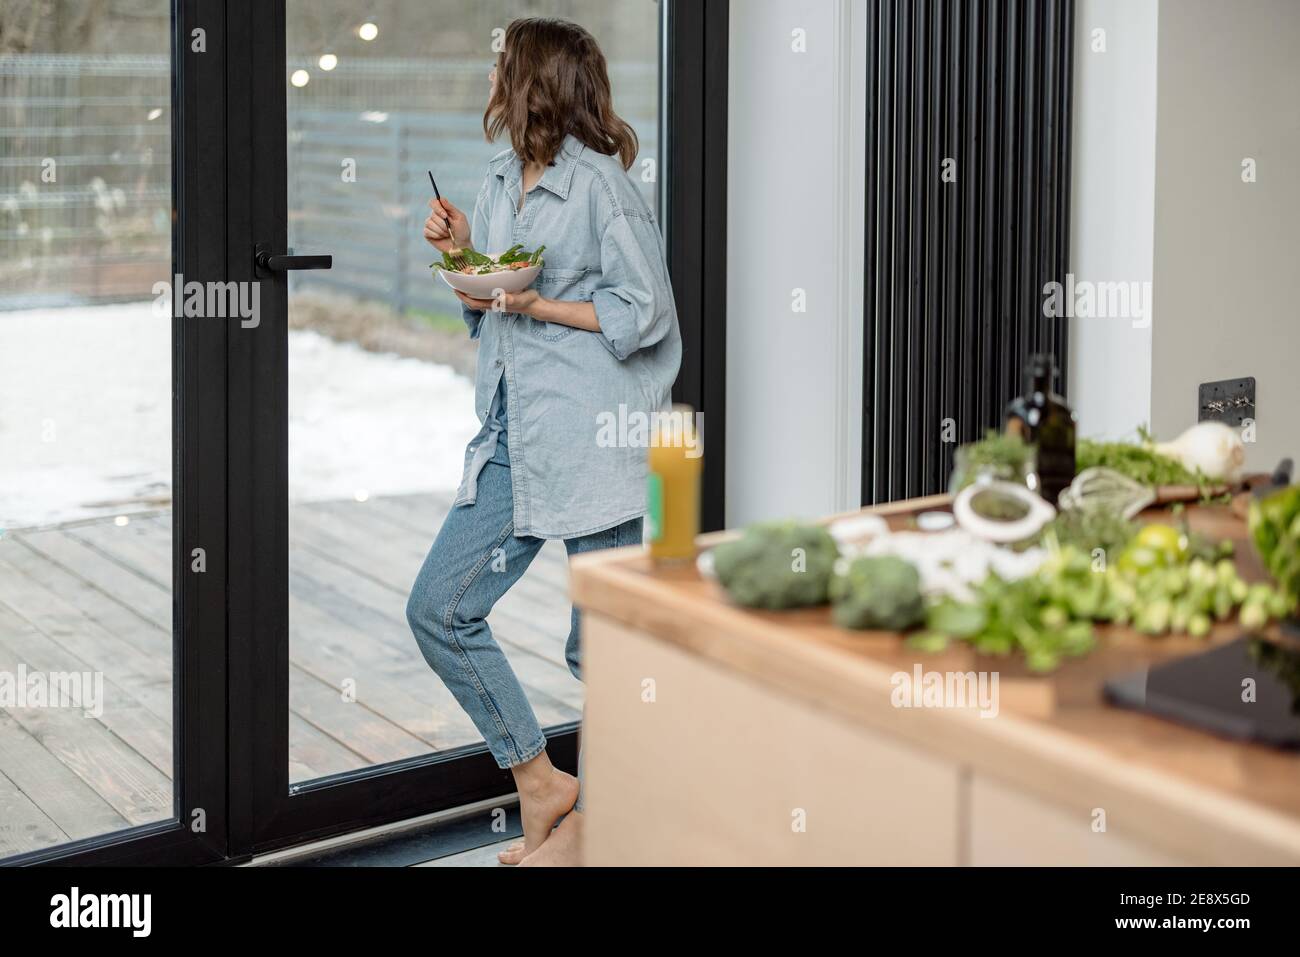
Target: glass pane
[
  {"x": 85, "y": 420},
  {"x": 381, "y": 395}
]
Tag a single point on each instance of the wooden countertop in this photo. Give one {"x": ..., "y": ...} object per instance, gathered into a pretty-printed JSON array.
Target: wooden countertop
[{"x": 1208, "y": 799}]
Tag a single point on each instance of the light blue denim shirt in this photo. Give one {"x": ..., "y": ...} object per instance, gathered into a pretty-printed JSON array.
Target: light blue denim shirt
[{"x": 603, "y": 246}]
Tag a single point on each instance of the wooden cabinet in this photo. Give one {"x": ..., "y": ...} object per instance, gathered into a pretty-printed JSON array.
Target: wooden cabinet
[
  {"x": 686, "y": 763},
  {"x": 1009, "y": 827}
]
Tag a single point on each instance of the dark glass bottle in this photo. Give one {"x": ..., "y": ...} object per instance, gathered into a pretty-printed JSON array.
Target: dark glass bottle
[{"x": 1042, "y": 419}]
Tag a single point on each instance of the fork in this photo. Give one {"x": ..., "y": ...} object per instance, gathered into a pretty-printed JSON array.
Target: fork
[{"x": 457, "y": 260}]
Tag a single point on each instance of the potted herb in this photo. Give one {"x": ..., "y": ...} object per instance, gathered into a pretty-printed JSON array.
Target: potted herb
[{"x": 998, "y": 456}]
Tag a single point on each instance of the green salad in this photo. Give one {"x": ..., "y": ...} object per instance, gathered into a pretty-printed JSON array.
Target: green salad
[{"x": 514, "y": 258}]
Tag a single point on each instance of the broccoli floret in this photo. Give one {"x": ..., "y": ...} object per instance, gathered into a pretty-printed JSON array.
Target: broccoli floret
[
  {"x": 777, "y": 565},
  {"x": 883, "y": 593}
]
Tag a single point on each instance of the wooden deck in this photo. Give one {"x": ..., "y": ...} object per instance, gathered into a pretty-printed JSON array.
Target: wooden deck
[{"x": 97, "y": 597}]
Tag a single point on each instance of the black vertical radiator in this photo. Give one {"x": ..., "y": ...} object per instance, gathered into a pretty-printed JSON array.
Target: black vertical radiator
[{"x": 967, "y": 218}]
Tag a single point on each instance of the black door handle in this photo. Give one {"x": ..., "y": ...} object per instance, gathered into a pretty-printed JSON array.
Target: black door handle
[{"x": 279, "y": 262}]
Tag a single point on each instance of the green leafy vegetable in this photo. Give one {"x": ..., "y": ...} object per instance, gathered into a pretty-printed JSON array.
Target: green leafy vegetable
[
  {"x": 1275, "y": 528},
  {"x": 1089, "y": 528},
  {"x": 881, "y": 592},
  {"x": 1139, "y": 462},
  {"x": 1042, "y": 616},
  {"x": 777, "y": 565},
  {"x": 957, "y": 619},
  {"x": 1049, "y": 616}
]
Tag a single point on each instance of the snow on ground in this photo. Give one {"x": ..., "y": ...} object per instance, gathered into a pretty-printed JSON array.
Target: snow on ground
[
  {"x": 363, "y": 423},
  {"x": 85, "y": 416}
]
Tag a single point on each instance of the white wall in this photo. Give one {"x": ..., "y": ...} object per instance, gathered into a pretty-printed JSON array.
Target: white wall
[
  {"x": 1203, "y": 84},
  {"x": 1226, "y": 252},
  {"x": 794, "y": 183},
  {"x": 1113, "y": 208}
]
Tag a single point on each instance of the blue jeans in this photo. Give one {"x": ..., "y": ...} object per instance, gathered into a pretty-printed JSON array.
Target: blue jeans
[{"x": 474, "y": 561}]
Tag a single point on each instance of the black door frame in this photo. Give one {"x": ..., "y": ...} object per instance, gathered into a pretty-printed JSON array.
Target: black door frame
[{"x": 198, "y": 91}]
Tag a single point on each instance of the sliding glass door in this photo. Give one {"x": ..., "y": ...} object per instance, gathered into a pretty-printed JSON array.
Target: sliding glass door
[{"x": 110, "y": 615}]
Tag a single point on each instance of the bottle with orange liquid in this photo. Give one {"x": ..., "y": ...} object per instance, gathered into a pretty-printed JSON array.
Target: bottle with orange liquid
[{"x": 673, "y": 501}]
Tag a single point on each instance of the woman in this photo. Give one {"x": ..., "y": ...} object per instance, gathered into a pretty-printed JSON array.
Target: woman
[{"x": 597, "y": 332}]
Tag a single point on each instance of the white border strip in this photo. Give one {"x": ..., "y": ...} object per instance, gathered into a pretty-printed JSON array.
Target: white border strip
[{"x": 849, "y": 244}]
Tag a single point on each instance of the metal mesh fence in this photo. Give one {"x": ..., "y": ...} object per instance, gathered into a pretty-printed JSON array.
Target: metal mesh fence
[{"x": 85, "y": 178}]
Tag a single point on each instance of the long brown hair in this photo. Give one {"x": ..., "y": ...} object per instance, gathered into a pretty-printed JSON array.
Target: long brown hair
[{"x": 552, "y": 81}]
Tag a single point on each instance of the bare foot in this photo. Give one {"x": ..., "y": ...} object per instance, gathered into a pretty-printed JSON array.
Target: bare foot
[
  {"x": 545, "y": 795},
  {"x": 512, "y": 854},
  {"x": 562, "y": 849}
]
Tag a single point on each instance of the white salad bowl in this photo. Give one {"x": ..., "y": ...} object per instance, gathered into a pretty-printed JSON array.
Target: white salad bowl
[{"x": 485, "y": 287}]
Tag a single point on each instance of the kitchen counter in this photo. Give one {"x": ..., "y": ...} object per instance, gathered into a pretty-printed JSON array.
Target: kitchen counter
[{"x": 719, "y": 735}]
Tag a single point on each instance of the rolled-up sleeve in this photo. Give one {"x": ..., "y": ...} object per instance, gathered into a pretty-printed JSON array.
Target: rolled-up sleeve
[
  {"x": 472, "y": 317},
  {"x": 633, "y": 298}
]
